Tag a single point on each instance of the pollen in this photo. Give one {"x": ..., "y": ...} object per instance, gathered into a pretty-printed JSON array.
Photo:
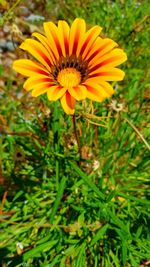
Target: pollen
[{"x": 69, "y": 77}]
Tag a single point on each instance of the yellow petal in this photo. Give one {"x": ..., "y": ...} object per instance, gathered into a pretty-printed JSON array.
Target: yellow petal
[
  {"x": 38, "y": 51},
  {"x": 100, "y": 48},
  {"x": 104, "y": 85},
  {"x": 111, "y": 59},
  {"x": 46, "y": 44},
  {"x": 79, "y": 92},
  {"x": 101, "y": 92},
  {"x": 63, "y": 30},
  {"x": 77, "y": 32},
  {"x": 28, "y": 67},
  {"x": 40, "y": 87},
  {"x": 36, "y": 80},
  {"x": 107, "y": 87},
  {"x": 88, "y": 40},
  {"x": 39, "y": 91},
  {"x": 55, "y": 92},
  {"x": 94, "y": 94},
  {"x": 107, "y": 74},
  {"x": 51, "y": 32},
  {"x": 68, "y": 103}
]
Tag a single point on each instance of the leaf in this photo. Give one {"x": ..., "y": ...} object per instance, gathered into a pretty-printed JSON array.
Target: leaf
[
  {"x": 99, "y": 235},
  {"x": 60, "y": 191},
  {"x": 87, "y": 181},
  {"x": 33, "y": 252}
]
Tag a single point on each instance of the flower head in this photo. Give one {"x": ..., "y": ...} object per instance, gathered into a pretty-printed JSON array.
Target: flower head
[{"x": 71, "y": 63}]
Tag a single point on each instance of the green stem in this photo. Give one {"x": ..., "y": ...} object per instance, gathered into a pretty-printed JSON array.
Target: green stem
[
  {"x": 76, "y": 134},
  {"x": 9, "y": 12}
]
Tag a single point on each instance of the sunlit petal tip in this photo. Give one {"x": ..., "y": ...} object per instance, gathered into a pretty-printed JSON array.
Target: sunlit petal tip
[
  {"x": 68, "y": 103},
  {"x": 23, "y": 44},
  {"x": 35, "y": 34},
  {"x": 38, "y": 92},
  {"x": 18, "y": 66},
  {"x": 46, "y": 24},
  {"x": 34, "y": 93},
  {"x": 107, "y": 88},
  {"x": 79, "y": 92},
  {"x": 55, "y": 92},
  {"x": 99, "y": 28},
  {"x": 26, "y": 87},
  {"x": 79, "y": 20},
  {"x": 123, "y": 75},
  {"x": 125, "y": 56},
  {"x": 27, "y": 67}
]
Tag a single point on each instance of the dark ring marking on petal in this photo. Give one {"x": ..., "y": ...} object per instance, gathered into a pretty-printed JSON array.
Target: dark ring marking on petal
[{"x": 71, "y": 62}]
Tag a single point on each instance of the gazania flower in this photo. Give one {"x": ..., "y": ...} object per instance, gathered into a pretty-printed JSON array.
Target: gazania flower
[{"x": 71, "y": 64}]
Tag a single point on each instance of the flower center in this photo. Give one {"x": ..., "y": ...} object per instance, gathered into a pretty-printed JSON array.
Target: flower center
[{"x": 69, "y": 77}]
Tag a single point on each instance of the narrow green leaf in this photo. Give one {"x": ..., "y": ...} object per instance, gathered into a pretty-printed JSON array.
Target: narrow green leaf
[
  {"x": 56, "y": 260},
  {"x": 87, "y": 181},
  {"x": 99, "y": 235},
  {"x": 118, "y": 222},
  {"x": 124, "y": 252},
  {"x": 138, "y": 200},
  {"x": 33, "y": 252},
  {"x": 115, "y": 259},
  {"x": 60, "y": 191},
  {"x": 80, "y": 262}
]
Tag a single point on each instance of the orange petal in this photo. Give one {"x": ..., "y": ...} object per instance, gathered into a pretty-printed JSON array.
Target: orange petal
[
  {"x": 88, "y": 40},
  {"x": 37, "y": 92},
  {"x": 94, "y": 94},
  {"x": 41, "y": 88},
  {"x": 45, "y": 43},
  {"x": 107, "y": 88},
  {"x": 68, "y": 103},
  {"x": 79, "y": 92},
  {"x": 55, "y": 92},
  {"x": 77, "y": 32},
  {"x": 52, "y": 33},
  {"x": 28, "y": 67},
  {"x": 101, "y": 92},
  {"x": 64, "y": 29},
  {"x": 107, "y": 74},
  {"x": 36, "y": 80},
  {"x": 111, "y": 59},
  {"x": 37, "y": 50},
  {"x": 100, "y": 48}
]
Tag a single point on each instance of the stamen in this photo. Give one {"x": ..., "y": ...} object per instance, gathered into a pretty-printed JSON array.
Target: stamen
[
  {"x": 69, "y": 77},
  {"x": 71, "y": 62}
]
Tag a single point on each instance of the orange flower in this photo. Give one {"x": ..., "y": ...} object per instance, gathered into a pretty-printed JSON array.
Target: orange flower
[{"x": 71, "y": 64}]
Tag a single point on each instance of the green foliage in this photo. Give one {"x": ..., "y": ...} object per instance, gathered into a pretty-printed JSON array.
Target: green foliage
[{"x": 62, "y": 212}]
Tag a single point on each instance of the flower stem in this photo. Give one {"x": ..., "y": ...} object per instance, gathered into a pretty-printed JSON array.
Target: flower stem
[{"x": 76, "y": 134}]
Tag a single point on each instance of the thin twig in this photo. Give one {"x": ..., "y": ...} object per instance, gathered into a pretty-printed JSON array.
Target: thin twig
[
  {"x": 138, "y": 133},
  {"x": 3, "y": 201}
]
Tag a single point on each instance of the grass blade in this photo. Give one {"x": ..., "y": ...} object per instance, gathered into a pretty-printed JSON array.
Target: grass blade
[
  {"x": 58, "y": 198},
  {"x": 87, "y": 181},
  {"x": 100, "y": 234}
]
